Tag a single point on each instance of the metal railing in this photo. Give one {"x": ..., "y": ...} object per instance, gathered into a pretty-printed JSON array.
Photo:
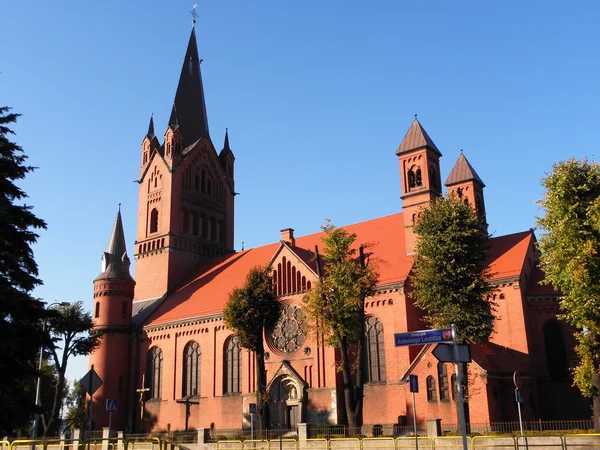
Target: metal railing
[{"x": 514, "y": 427}]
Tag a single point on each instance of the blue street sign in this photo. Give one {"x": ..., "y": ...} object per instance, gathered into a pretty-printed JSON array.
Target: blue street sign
[
  {"x": 111, "y": 405},
  {"x": 413, "y": 381},
  {"x": 252, "y": 408},
  {"x": 423, "y": 337}
]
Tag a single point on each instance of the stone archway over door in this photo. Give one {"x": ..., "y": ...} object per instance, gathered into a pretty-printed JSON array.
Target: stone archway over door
[{"x": 285, "y": 405}]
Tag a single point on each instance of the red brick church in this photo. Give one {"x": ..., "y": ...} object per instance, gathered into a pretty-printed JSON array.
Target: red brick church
[{"x": 170, "y": 361}]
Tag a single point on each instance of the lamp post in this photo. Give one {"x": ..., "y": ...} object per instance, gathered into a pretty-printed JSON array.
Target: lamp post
[{"x": 36, "y": 417}]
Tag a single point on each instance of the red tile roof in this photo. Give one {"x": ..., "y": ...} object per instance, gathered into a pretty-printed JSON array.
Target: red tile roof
[{"x": 206, "y": 292}]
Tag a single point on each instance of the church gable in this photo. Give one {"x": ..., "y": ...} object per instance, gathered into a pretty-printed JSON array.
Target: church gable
[{"x": 292, "y": 272}]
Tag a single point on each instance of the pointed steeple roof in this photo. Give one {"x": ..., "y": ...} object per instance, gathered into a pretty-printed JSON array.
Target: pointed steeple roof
[
  {"x": 150, "y": 133},
  {"x": 115, "y": 262},
  {"x": 226, "y": 143},
  {"x": 173, "y": 121},
  {"x": 416, "y": 137},
  {"x": 189, "y": 98},
  {"x": 463, "y": 171}
]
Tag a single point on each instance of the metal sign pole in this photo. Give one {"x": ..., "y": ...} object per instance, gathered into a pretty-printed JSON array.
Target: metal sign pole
[
  {"x": 461, "y": 406},
  {"x": 252, "y": 426},
  {"x": 415, "y": 422},
  {"x": 109, "y": 419},
  {"x": 519, "y": 407}
]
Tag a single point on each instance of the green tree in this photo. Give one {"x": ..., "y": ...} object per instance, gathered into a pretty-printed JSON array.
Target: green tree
[
  {"x": 75, "y": 404},
  {"x": 449, "y": 277},
  {"x": 69, "y": 331},
  {"x": 335, "y": 306},
  {"x": 570, "y": 246},
  {"x": 20, "y": 314},
  {"x": 251, "y": 309}
]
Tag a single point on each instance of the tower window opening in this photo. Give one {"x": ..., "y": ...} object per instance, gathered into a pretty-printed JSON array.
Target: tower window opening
[
  {"x": 418, "y": 178},
  {"x": 97, "y": 312},
  {"x": 196, "y": 182},
  {"x": 154, "y": 221},
  {"x": 213, "y": 229},
  {"x": 412, "y": 180},
  {"x": 186, "y": 221},
  {"x": 195, "y": 224},
  {"x": 203, "y": 181},
  {"x": 209, "y": 187},
  {"x": 124, "y": 309}
]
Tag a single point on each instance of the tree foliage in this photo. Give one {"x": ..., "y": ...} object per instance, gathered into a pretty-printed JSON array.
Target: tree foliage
[
  {"x": 69, "y": 331},
  {"x": 75, "y": 405},
  {"x": 20, "y": 314},
  {"x": 335, "y": 306},
  {"x": 450, "y": 274},
  {"x": 570, "y": 249},
  {"x": 251, "y": 309}
]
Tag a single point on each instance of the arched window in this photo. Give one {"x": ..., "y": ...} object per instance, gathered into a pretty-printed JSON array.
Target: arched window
[
  {"x": 186, "y": 220},
  {"x": 213, "y": 229},
  {"x": 375, "y": 356},
  {"x": 233, "y": 366},
  {"x": 204, "y": 227},
  {"x": 443, "y": 381},
  {"x": 97, "y": 314},
  {"x": 154, "y": 372},
  {"x": 418, "y": 178},
  {"x": 123, "y": 309},
  {"x": 454, "y": 386},
  {"x": 196, "y": 182},
  {"x": 203, "y": 181},
  {"x": 411, "y": 178},
  {"x": 191, "y": 369},
  {"x": 154, "y": 220},
  {"x": 431, "y": 391},
  {"x": 209, "y": 186},
  {"x": 195, "y": 224},
  {"x": 222, "y": 231},
  {"x": 556, "y": 355}
]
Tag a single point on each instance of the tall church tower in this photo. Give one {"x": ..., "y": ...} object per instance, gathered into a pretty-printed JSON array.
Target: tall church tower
[
  {"x": 113, "y": 297},
  {"x": 420, "y": 177},
  {"x": 464, "y": 181},
  {"x": 186, "y": 196}
]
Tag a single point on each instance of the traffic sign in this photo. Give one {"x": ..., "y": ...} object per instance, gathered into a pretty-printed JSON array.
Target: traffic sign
[
  {"x": 252, "y": 408},
  {"x": 413, "y": 381},
  {"x": 445, "y": 353},
  {"x": 517, "y": 380},
  {"x": 423, "y": 337},
  {"x": 91, "y": 382},
  {"x": 111, "y": 405}
]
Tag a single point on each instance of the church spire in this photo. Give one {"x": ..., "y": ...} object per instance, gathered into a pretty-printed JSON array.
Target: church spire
[
  {"x": 189, "y": 98},
  {"x": 115, "y": 262},
  {"x": 150, "y": 133}
]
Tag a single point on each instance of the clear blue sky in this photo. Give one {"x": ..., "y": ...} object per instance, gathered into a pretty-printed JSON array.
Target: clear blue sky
[{"x": 317, "y": 96}]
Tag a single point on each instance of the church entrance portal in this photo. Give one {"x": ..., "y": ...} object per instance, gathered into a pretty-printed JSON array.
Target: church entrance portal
[{"x": 285, "y": 404}]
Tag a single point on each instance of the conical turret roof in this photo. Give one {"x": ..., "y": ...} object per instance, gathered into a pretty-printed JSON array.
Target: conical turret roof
[
  {"x": 463, "y": 171},
  {"x": 115, "y": 262},
  {"x": 416, "y": 137}
]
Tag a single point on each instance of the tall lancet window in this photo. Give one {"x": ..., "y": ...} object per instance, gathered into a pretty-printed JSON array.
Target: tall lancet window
[
  {"x": 233, "y": 366},
  {"x": 154, "y": 362},
  {"x": 375, "y": 350},
  {"x": 191, "y": 369}
]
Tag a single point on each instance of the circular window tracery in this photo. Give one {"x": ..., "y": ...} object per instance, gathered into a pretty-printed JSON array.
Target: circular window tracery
[{"x": 289, "y": 333}]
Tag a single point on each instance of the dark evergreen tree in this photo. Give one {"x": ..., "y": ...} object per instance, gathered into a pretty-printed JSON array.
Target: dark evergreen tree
[
  {"x": 20, "y": 314},
  {"x": 250, "y": 310}
]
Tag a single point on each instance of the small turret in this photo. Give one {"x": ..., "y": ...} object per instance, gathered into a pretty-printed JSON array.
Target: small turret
[
  {"x": 149, "y": 144},
  {"x": 227, "y": 159},
  {"x": 113, "y": 299}
]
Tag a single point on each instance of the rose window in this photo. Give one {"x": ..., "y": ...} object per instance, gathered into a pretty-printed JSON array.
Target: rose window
[{"x": 289, "y": 333}]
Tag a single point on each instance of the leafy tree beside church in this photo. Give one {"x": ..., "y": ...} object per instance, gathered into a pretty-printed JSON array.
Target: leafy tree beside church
[
  {"x": 570, "y": 246},
  {"x": 21, "y": 315},
  {"x": 450, "y": 274},
  {"x": 251, "y": 309},
  {"x": 336, "y": 306}
]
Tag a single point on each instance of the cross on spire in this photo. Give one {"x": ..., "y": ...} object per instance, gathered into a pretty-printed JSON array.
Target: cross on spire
[{"x": 194, "y": 14}]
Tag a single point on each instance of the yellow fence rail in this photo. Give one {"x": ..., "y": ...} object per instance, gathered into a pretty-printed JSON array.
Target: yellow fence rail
[{"x": 563, "y": 442}]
